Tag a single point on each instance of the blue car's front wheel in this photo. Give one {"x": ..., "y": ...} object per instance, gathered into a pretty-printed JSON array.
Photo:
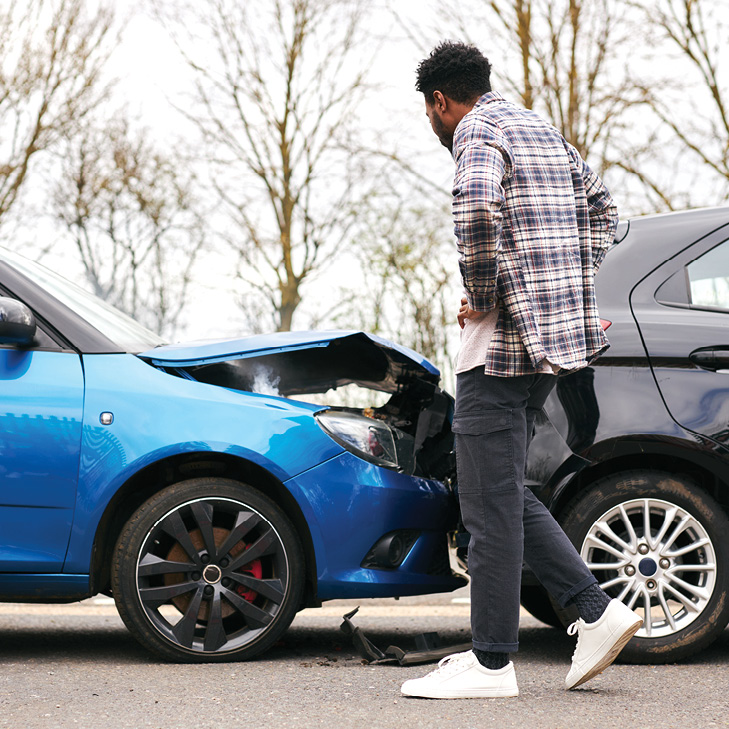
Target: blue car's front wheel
[{"x": 208, "y": 570}]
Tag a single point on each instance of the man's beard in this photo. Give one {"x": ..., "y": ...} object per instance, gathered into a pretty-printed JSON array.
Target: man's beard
[{"x": 445, "y": 138}]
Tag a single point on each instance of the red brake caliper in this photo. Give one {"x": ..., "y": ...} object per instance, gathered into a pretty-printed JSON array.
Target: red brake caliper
[{"x": 254, "y": 569}]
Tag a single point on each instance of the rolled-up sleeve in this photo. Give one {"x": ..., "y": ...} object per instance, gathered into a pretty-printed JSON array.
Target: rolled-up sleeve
[{"x": 478, "y": 198}]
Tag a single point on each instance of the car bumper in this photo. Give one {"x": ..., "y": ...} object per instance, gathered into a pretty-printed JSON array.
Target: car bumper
[{"x": 350, "y": 505}]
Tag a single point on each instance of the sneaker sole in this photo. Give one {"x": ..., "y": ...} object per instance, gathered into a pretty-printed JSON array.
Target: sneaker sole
[
  {"x": 467, "y": 694},
  {"x": 610, "y": 656}
]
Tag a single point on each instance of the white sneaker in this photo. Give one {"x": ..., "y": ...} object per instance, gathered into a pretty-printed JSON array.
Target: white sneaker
[
  {"x": 599, "y": 643},
  {"x": 461, "y": 676}
]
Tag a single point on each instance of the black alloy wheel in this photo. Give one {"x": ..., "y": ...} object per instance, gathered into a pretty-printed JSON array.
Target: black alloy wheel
[
  {"x": 208, "y": 570},
  {"x": 660, "y": 544}
]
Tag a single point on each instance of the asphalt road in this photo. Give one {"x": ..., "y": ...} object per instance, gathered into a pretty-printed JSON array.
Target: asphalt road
[{"x": 76, "y": 666}]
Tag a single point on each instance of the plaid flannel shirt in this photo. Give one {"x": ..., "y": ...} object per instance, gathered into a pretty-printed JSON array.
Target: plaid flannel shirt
[{"x": 532, "y": 222}]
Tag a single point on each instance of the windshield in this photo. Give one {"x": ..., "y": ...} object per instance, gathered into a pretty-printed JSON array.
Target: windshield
[{"x": 112, "y": 323}]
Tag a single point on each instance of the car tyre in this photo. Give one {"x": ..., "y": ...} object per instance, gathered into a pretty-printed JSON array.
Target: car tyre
[
  {"x": 208, "y": 570},
  {"x": 659, "y": 543}
]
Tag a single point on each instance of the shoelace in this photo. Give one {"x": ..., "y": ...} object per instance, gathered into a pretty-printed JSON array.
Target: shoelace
[
  {"x": 576, "y": 627},
  {"x": 450, "y": 664}
]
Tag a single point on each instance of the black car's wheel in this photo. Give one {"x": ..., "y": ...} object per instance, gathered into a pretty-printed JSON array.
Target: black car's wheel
[
  {"x": 658, "y": 543},
  {"x": 535, "y": 599},
  {"x": 208, "y": 570}
]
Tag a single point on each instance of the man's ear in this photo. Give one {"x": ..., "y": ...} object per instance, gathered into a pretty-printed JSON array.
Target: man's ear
[{"x": 440, "y": 102}]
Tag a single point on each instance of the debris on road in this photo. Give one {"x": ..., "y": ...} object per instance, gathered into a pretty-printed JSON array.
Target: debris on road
[{"x": 428, "y": 646}]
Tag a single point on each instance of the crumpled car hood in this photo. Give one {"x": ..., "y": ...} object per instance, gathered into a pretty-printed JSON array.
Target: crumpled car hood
[{"x": 315, "y": 360}]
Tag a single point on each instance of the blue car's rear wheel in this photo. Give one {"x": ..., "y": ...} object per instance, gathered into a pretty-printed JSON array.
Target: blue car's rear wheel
[{"x": 208, "y": 570}]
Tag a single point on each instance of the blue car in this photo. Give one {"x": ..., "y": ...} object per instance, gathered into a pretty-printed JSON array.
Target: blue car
[{"x": 212, "y": 488}]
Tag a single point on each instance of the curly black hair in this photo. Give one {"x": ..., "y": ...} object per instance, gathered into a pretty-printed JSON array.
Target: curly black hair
[{"x": 461, "y": 72}]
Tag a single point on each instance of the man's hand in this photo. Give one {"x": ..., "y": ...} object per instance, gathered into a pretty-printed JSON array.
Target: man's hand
[{"x": 466, "y": 312}]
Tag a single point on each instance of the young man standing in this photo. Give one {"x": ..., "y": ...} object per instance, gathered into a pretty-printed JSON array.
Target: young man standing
[{"x": 532, "y": 223}]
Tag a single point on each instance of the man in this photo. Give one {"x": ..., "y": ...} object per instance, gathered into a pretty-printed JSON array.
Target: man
[{"x": 532, "y": 223}]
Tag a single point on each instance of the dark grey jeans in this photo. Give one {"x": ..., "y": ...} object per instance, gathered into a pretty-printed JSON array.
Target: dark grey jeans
[{"x": 493, "y": 423}]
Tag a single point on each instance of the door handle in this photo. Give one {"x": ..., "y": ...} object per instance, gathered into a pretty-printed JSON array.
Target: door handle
[{"x": 713, "y": 359}]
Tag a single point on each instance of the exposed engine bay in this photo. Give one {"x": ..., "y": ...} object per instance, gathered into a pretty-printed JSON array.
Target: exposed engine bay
[{"x": 417, "y": 414}]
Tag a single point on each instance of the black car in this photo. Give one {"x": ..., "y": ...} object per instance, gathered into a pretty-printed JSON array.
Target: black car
[{"x": 632, "y": 453}]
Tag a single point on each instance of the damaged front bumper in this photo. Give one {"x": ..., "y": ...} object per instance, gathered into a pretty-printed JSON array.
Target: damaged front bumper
[{"x": 355, "y": 510}]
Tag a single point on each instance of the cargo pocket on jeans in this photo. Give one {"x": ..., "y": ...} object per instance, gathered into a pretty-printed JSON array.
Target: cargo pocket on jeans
[
  {"x": 483, "y": 422},
  {"x": 484, "y": 457}
]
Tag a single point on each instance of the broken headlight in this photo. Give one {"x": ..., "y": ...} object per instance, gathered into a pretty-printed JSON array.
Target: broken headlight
[{"x": 372, "y": 440}]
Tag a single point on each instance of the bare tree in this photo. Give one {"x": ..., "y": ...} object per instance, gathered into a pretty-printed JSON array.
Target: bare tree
[
  {"x": 277, "y": 89},
  {"x": 51, "y": 56},
  {"x": 131, "y": 213},
  {"x": 409, "y": 291},
  {"x": 563, "y": 58},
  {"x": 696, "y": 31}
]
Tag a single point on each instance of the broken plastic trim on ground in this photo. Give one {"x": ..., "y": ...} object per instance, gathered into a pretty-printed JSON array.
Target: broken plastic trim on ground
[{"x": 428, "y": 646}]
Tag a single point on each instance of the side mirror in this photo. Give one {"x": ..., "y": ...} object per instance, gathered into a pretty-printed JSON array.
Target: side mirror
[{"x": 17, "y": 323}]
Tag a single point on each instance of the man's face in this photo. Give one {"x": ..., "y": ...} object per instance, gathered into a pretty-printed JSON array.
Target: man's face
[{"x": 438, "y": 126}]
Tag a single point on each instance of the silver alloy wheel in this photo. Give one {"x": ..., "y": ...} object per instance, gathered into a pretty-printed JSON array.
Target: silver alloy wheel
[{"x": 655, "y": 557}]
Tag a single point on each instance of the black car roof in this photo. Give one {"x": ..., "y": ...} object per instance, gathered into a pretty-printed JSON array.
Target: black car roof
[{"x": 650, "y": 241}]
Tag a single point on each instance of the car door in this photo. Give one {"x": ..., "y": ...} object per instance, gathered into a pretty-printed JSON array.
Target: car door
[
  {"x": 682, "y": 310},
  {"x": 41, "y": 408}
]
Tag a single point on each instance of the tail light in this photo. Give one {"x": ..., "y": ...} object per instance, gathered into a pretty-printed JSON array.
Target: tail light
[{"x": 605, "y": 324}]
